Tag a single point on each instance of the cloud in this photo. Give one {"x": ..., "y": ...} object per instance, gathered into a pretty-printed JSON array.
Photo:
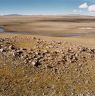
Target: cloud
[
  {"x": 91, "y": 8},
  {"x": 83, "y": 6}
]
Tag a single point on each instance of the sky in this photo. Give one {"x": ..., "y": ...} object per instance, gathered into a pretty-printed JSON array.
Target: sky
[{"x": 47, "y": 7}]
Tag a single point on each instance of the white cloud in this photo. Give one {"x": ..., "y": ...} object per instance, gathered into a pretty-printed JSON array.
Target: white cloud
[
  {"x": 83, "y": 6},
  {"x": 91, "y": 8}
]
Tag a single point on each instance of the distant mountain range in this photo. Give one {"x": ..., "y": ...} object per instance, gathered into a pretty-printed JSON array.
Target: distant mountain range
[
  {"x": 44, "y": 15},
  {"x": 13, "y": 15}
]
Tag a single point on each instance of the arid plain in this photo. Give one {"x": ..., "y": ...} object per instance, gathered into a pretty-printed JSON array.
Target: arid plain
[
  {"x": 47, "y": 56},
  {"x": 78, "y": 28}
]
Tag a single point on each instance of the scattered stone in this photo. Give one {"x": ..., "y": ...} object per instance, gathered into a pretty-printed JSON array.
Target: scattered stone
[
  {"x": 49, "y": 57},
  {"x": 33, "y": 63}
]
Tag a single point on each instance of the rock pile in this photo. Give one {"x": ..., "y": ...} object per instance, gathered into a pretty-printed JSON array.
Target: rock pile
[{"x": 45, "y": 52}]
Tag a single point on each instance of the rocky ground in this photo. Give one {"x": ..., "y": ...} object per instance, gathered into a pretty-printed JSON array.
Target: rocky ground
[{"x": 50, "y": 68}]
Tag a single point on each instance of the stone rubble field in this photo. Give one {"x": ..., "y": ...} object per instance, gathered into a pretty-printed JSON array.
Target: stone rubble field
[{"x": 51, "y": 68}]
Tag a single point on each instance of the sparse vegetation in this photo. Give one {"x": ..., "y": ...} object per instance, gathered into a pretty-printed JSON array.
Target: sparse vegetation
[{"x": 48, "y": 69}]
